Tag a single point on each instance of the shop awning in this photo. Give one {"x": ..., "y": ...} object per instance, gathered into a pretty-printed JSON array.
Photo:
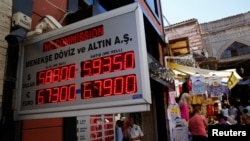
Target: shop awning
[{"x": 229, "y": 77}]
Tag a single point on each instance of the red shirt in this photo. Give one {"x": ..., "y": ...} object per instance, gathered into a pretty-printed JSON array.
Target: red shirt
[{"x": 198, "y": 125}]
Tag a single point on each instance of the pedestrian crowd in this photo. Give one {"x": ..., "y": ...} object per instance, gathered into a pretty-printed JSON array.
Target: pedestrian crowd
[
  {"x": 231, "y": 115},
  {"x": 191, "y": 125},
  {"x": 196, "y": 127}
]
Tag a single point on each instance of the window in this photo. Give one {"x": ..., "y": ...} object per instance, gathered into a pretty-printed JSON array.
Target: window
[
  {"x": 235, "y": 49},
  {"x": 153, "y": 5},
  {"x": 179, "y": 47}
]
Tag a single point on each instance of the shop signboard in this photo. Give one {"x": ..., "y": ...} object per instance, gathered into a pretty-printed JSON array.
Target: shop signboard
[{"x": 98, "y": 65}]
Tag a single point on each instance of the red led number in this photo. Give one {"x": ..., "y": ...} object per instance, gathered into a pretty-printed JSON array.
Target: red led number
[
  {"x": 56, "y": 75},
  {"x": 56, "y": 94},
  {"x": 107, "y": 64},
  {"x": 109, "y": 87}
]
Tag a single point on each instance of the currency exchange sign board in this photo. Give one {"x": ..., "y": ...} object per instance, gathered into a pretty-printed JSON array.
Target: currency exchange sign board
[{"x": 97, "y": 65}]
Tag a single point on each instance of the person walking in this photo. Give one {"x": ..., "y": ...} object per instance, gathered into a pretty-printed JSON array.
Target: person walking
[
  {"x": 198, "y": 126},
  {"x": 184, "y": 106},
  {"x": 221, "y": 119},
  {"x": 125, "y": 130},
  {"x": 243, "y": 117},
  {"x": 134, "y": 131},
  {"x": 232, "y": 111},
  {"x": 118, "y": 131},
  {"x": 225, "y": 110}
]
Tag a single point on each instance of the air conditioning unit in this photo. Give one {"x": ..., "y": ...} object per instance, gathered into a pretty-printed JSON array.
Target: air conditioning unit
[{"x": 21, "y": 20}]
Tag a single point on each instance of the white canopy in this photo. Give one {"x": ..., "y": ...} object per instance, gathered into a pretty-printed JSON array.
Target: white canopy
[{"x": 229, "y": 77}]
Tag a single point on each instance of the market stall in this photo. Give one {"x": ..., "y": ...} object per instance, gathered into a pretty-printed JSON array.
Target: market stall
[
  {"x": 228, "y": 77},
  {"x": 208, "y": 88}
]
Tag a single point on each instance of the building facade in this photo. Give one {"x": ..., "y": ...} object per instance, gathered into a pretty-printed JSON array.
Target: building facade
[
  {"x": 227, "y": 40},
  {"x": 216, "y": 45},
  {"x": 184, "y": 39},
  {"x": 6, "y": 12}
]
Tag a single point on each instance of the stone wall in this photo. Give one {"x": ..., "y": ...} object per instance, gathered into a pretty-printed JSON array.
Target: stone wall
[
  {"x": 5, "y": 23},
  {"x": 218, "y": 35}
]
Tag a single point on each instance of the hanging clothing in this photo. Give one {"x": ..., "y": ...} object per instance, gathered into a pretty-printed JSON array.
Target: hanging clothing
[
  {"x": 197, "y": 99},
  {"x": 180, "y": 131},
  {"x": 198, "y": 84},
  {"x": 217, "y": 90},
  {"x": 172, "y": 95}
]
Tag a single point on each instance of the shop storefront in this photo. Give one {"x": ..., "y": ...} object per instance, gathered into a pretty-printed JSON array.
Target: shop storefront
[{"x": 208, "y": 90}]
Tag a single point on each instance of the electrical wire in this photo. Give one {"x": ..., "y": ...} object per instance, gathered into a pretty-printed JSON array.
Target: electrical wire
[{"x": 57, "y": 7}]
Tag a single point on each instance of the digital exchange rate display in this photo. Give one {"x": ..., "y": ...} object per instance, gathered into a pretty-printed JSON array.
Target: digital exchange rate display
[
  {"x": 95, "y": 66},
  {"x": 119, "y": 85}
]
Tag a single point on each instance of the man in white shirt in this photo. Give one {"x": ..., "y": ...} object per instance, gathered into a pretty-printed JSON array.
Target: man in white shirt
[{"x": 134, "y": 131}]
